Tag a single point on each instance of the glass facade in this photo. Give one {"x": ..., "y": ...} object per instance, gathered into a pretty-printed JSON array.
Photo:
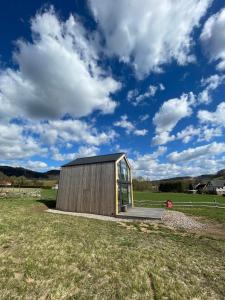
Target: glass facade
[{"x": 124, "y": 184}]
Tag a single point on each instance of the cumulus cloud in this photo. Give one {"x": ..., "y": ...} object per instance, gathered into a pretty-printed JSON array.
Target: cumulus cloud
[
  {"x": 64, "y": 77},
  {"x": 14, "y": 144},
  {"x": 129, "y": 126},
  {"x": 140, "y": 132},
  {"x": 208, "y": 150},
  {"x": 77, "y": 131},
  {"x": 163, "y": 138},
  {"x": 150, "y": 165},
  {"x": 202, "y": 133},
  {"x": 153, "y": 169},
  {"x": 125, "y": 123},
  {"x": 83, "y": 151},
  {"x": 215, "y": 118},
  {"x": 151, "y": 34},
  {"x": 173, "y": 110},
  {"x": 144, "y": 117},
  {"x": 136, "y": 98},
  {"x": 208, "y": 133},
  {"x": 213, "y": 39},
  {"x": 169, "y": 114},
  {"x": 36, "y": 165},
  {"x": 188, "y": 133},
  {"x": 211, "y": 83}
]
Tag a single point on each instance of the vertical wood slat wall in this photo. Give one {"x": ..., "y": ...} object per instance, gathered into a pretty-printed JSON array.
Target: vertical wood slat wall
[{"x": 88, "y": 188}]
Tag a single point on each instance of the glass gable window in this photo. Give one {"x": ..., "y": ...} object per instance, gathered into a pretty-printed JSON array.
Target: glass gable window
[{"x": 123, "y": 171}]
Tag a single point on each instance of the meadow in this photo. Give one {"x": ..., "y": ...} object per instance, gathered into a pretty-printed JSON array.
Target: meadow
[
  {"x": 149, "y": 199},
  {"x": 48, "y": 256}
]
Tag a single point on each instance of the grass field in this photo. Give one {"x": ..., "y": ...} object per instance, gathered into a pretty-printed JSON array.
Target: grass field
[
  {"x": 145, "y": 199},
  {"x": 48, "y": 256}
]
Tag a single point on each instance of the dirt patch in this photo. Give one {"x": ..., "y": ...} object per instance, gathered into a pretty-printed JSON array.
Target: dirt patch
[
  {"x": 212, "y": 229},
  {"x": 38, "y": 208},
  {"x": 199, "y": 226}
]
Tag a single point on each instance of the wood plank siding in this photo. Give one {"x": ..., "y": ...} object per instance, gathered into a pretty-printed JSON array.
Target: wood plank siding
[{"x": 89, "y": 188}]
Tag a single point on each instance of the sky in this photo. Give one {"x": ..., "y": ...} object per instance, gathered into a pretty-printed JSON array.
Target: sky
[{"x": 81, "y": 78}]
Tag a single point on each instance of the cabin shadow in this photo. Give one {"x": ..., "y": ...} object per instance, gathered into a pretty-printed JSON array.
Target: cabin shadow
[{"x": 50, "y": 203}]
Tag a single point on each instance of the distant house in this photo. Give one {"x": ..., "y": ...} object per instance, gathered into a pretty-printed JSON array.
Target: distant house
[
  {"x": 215, "y": 186},
  {"x": 200, "y": 187}
]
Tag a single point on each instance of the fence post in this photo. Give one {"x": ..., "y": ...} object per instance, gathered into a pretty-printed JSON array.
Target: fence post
[{"x": 215, "y": 203}]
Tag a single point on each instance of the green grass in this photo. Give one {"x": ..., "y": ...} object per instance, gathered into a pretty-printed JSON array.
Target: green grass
[
  {"x": 47, "y": 256},
  {"x": 145, "y": 199},
  {"x": 176, "y": 197}
]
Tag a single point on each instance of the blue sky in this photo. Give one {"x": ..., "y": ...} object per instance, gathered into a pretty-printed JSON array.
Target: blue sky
[{"x": 86, "y": 78}]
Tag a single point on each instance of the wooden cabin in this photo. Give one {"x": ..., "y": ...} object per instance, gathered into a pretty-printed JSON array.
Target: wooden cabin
[{"x": 98, "y": 185}]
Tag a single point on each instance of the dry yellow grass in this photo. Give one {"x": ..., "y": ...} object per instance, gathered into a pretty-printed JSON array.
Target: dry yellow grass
[{"x": 47, "y": 256}]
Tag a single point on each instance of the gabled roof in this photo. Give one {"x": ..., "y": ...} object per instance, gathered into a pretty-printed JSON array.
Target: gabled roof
[
  {"x": 95, "y": 159},
  {"x": 217, "y": 183}
]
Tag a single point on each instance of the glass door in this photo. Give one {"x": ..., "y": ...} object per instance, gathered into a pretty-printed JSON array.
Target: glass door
[{"x": 124, "y": 185}]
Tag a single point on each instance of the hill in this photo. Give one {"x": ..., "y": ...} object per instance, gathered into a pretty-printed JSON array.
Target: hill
[
  {"x": 29, "y": 174},
  {"x": 219, "y": 175},
  {"x": 54, "y": 174}
]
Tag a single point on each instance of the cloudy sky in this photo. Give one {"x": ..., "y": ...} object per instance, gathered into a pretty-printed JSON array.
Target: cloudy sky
[{"x": 81, "y": 78}]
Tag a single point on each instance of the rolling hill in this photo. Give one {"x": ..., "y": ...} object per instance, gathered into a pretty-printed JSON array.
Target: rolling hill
[
  {"x": 54, "y": 174},
  {"x": 18, "y": 171}
]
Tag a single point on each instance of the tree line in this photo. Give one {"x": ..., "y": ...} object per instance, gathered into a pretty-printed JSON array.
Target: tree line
[
  {"x": 22, "y": 181},
  {"x": 176, "y": 186}
]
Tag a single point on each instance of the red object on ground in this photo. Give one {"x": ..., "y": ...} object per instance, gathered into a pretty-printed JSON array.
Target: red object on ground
[{"x": 169, "y": 204}]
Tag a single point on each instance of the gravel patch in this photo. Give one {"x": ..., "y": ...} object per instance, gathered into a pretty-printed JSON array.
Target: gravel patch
[
  {"x": 178, "y": 219},
  {"x": 174, "y": 219},
  {"x": 90, "y": 216}
]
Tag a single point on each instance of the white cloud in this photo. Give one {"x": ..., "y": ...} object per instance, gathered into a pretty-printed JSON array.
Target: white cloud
[
  {"x": 162, "y": 87},
  {"x": 144, "y": 117},
  {"x": 150, "y": 166},
  {"x": 153, "y": 169},
  {"x": 77, "y": 131},
  {"x": 163, "y": 138},
  {"x": 169, "y": 114},
  {"x": 213, "y": 39},
  {"x": 142, "y": 161},
  {"x": 58, "y": 73},
  {"x": 211, "y": 83},
  {"x": 148, "y": 94},
  {"x": 140, "y": 132},
  {"x": 132, "y": 94},
  {"x": 83, "y": 151},
  {"x": 130, "y": 127},
  {"x": 87, "y": 151},
  {"x": 207, "y": 134},
  {"x": 124, "y": 123},
  {"x": 118, "y": 148},
  {"x": 14, "y": 144},
  {"x": 203, "y": 133},
  {"x": 173, "y": 110},
  {"x": 58, "y": 156},
  {"x": 215, "y": 118},
  {"x": 187, "y": 134},
  {"x": 136, "y": 98},
  {"x": 208, "y": 150},
  {"x": 36, "y": 165},
  {"x": 151, "y": 34}
]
